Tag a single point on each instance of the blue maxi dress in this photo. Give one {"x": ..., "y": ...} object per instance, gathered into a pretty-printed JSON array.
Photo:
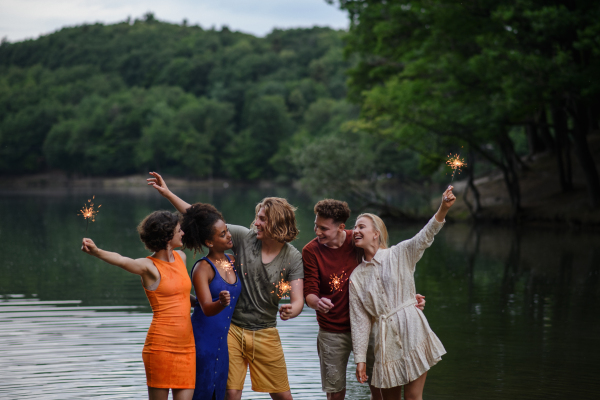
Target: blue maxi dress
[{"x": 210, "y": 333}]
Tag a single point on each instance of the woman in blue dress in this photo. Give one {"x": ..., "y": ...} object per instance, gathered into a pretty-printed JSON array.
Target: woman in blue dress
[{"x": 217, "y": 289}]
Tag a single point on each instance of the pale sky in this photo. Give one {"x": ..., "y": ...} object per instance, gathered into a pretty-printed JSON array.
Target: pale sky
[{"x": 26, "y": 19}]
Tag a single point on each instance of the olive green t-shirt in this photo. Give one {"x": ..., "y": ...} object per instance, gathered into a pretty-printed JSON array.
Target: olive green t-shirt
[{"x": 258, "y": 303}]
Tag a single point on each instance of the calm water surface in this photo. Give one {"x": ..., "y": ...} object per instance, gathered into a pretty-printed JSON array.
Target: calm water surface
[{"x": 517, "y": 310}]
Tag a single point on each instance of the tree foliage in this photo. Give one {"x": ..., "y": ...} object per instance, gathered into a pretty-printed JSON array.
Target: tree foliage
[
  {"x": 441, "y": 74},
  {"x": 124, "y": 98}
]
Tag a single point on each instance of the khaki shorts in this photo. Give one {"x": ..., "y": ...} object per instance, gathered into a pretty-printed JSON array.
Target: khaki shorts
[
  {"x": 334, "y": 350},
  {"x": 262, "y": 351}
]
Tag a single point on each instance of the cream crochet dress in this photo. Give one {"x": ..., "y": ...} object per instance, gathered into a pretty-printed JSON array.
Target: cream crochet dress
[{"x": 382, "y": 299}]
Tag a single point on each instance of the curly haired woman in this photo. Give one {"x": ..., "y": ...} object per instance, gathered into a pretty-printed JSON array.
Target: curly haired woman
[
  {"x": 217, "y": 288},
  {"x": 169, "y": 354}
]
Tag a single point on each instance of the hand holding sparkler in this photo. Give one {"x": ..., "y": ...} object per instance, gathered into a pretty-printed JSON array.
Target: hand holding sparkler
[
  {"x": 285, "y": 312},
  {"x": 224, "y": 298},
  {"x": 324, "y": 305},
  {"x": 448, "y": 197},
  {"x": 448, "y": 200},
  {"x": 88, "y": 246}
]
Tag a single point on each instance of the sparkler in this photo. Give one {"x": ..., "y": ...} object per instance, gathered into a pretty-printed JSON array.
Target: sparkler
[
  {"x": 282, "y": 289},
  {"x": 456, "y": 163},
  {"x": 335, "y": 281},
  {"x": 226, "y": 265},
  {"x": 88, "y": 212}
]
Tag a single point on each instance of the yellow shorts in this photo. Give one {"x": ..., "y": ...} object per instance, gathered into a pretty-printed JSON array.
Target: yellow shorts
[{"x": 262, "y": 351}]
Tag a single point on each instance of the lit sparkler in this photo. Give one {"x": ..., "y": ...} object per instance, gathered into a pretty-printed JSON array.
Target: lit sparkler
[
  {"x": 456, "y": 163},
  {"x": 226, "y": 265},
  {"x": 88, "y": 212},
  {"x": 282, "y": 289},
  {"x": 335, "y": 281}
]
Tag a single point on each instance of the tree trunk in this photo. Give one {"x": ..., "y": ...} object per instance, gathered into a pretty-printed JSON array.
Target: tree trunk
[
  {"x": 509, "y": 171},
  {"x": 534, "y": 141},
  {"x": 563, "y": 149},
  {"x": 476, "y": 208},
  {"x": 542, "y": 121},
  {"x": 586, "y": 160}
]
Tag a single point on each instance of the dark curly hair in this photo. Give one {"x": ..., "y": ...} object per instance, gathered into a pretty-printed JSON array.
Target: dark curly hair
[
  {"x": 157, "y": 229},
  {"x": 198, "y": 224},
  {"x": 334, "y": 209}
]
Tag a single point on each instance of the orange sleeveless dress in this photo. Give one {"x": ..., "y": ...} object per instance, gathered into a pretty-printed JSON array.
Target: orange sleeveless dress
[{"x": 169, "y": 352}]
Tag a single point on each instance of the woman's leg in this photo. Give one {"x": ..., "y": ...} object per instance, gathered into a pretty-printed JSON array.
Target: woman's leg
[
  {"x": 157, "y": 393},
  {"x": 414, "y": 390},
  {"x": 183, "y": 394},
  {"x": 386, "y": 394}
]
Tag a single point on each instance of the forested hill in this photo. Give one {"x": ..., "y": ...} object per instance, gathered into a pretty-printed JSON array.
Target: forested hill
[{"x": 144, "y": 94}]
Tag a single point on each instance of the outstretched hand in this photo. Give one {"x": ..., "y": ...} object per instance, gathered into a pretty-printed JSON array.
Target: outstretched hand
[
  {"x": 88, "y": 246},
  {"x": 158, "y": 183},
  {"x": 448, "y": 198}
]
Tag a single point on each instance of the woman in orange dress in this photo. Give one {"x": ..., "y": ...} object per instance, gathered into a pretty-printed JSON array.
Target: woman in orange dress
[{"x": 169, "y": 352}]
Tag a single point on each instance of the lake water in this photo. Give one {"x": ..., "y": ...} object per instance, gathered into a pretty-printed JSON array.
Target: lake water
[{"x": 517, "y": 310}]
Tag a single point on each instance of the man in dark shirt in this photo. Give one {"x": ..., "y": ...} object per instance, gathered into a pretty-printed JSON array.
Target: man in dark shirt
[{"x": 329, "y": 260}]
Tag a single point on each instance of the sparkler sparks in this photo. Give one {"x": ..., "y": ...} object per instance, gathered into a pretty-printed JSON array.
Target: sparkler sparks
[
  {"x": 456, "y": 163},
  {"x": 88, "y": 212},
  {"x": 335, "y": 281},
  {"x": 282, "y": 289},
  {"x": 226, "y": 265}
]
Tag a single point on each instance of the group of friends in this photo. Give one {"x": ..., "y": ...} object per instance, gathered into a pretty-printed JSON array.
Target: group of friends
[{"x": 373, "y": 309}]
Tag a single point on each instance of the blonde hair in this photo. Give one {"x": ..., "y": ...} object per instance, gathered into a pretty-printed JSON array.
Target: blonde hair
[
  {"x": 379, "y": 226},
  {"x": 281, "y": 219}
]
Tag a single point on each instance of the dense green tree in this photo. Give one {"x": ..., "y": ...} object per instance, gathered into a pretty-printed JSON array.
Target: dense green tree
[
  {"x": 448, "y": 73},
  {"x": 116, "y": 99}
]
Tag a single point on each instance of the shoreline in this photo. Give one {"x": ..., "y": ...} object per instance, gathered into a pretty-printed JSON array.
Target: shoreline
[{"x": 543, "y": 205}]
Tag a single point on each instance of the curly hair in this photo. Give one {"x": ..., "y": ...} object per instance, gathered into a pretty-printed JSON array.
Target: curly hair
[
  {"x": 157, "y": 229},
  {"x": 334, "y": 209},
  {"x": 198, "y": 224},
  {"x": 281, "y": 220}
]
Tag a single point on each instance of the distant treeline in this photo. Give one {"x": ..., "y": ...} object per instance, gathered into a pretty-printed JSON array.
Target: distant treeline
[{"x": 147, "y": 95}]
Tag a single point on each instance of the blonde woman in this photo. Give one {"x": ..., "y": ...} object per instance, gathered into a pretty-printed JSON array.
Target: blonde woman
[{"x": 382, "y": 297}]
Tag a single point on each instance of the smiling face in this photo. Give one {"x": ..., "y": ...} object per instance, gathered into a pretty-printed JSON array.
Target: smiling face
[
  {"x": 176, "y": 242},
  {"x": 221, "y": 239},
  {"x": 260, "y": 223},
  {"x": 364, "y": 233},
  {"x": 327, "y": 230}
]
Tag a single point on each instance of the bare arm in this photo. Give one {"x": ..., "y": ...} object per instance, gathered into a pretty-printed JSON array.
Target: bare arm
[
  {"x": 448, "y": 200},
  {"x": 201, "y": 278},
  {"x": 292, "y": 310},
  {"x": 141, "y": 266},
  {"x": 159, "y": 184}
]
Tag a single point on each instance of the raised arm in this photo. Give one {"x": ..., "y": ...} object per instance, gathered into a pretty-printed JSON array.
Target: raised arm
[
  {"x": 448, "y": 200},
  {"x": 416, "y": 246},
  {"x": 141, "y": 266},
  {"x": 159, "y": 184}
]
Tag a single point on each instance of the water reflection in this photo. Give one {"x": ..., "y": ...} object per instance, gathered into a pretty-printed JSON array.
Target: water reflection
[{"x": 515, "y": 308}]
